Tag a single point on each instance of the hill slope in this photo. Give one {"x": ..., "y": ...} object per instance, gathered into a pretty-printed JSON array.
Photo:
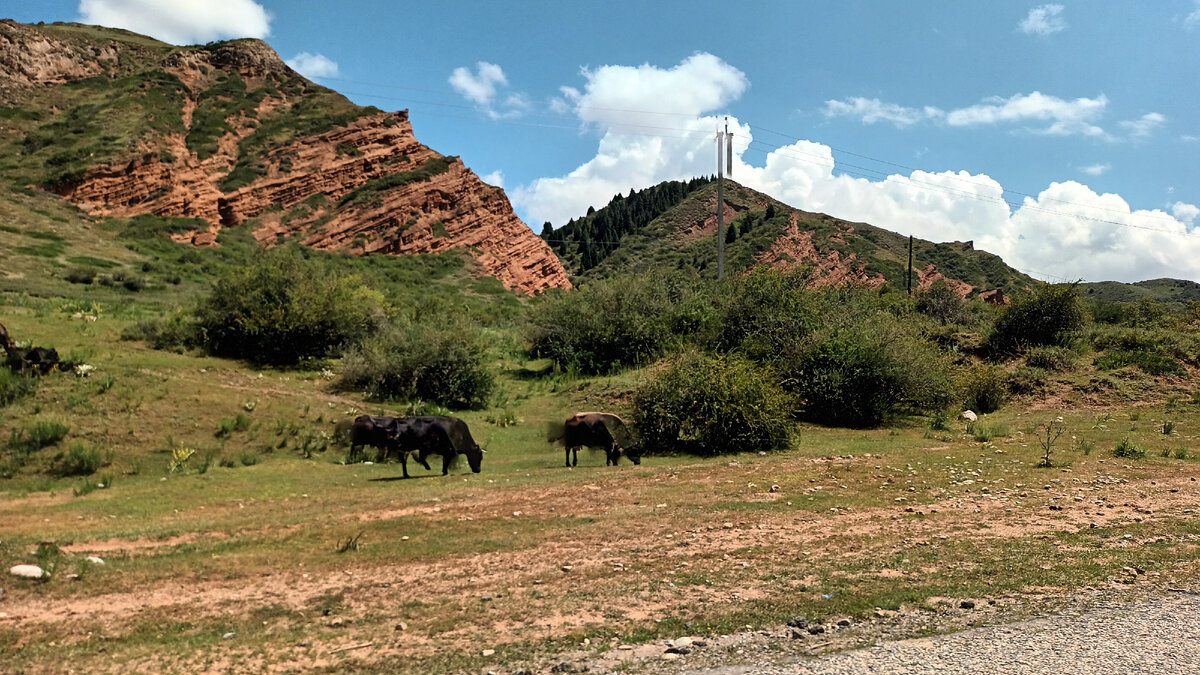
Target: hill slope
[
  {"x": 674, "y": 225},
  {"x": 123, "y": 125}
]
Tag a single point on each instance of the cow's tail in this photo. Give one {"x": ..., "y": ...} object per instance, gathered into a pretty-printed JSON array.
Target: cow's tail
[{"x": 555, "y": 431}]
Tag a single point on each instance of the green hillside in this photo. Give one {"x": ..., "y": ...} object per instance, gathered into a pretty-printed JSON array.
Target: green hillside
[{"x": 665, "y": 235}]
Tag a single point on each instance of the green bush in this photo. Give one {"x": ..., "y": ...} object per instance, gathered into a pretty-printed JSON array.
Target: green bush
[
  {"x": 858, "y": 374},
  {"x": 1129, "y": 450},
  {"x": 985, "y": 388},
  {"x": 1026, "y": 380},
  {"x": 1058, "y": 359},
  {"x": 1051, "y": 315},
  {"x": 44, "y": 433},
  {"x": 442, "y": 358},
  {"x": 705, "y": 405},
  {"x": 284, "y": 308},
  {"x": 15, "y": 386},
  {"x": 941, "y": 302},
  {"x": 1151, "y": 363},
  {"x": 612, "y": 323},
  {"x": 764, "y": 313},
  {"x": 79, "y": 460}
]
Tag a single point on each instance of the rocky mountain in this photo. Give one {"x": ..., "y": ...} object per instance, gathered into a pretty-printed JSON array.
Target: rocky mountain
[
  {"x": 123, "y": 125},
  {"x": 675, "y": 225}
]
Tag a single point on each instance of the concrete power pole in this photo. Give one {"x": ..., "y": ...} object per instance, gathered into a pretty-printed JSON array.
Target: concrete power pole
[{"x": 724, "y": 165}]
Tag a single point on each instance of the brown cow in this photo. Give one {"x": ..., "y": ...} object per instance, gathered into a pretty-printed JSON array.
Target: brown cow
[{"x": 596, "y": 430}]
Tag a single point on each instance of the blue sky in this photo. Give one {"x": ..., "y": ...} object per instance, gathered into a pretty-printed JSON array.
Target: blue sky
[{"x": 1062, "y": 136}]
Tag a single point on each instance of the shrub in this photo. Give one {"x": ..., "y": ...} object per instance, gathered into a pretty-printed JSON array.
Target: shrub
[
  {"x": 442, "y": 359},
  {"x": 857, "y": 375},
  {"x": 704, "y": 405},
  {"x": 1026, "y": 380},
  {"x": 1059, "y": 359},
  {"x": 284, "y": 308},
  {"x": 1051, "y": 315},
  {"x": 44, "y": 433},
  {"x": 1149, "y": 362},
  {"x": 612, "y": 323},
  {"x": 1128, "y": 450},
  {"x": 15, "y": 386},
  {"x": 79, "y": 460},
  {"x": 985, "y": 388},
  {"x": 765, "y": 312},
  {"x": 81, "y": 275},
  {"x": 940, "y": 302}
]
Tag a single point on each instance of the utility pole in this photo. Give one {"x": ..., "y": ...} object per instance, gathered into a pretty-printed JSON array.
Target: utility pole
[
  {"x": 908, "y": 279},
  {"x": 724, "y": 165}
]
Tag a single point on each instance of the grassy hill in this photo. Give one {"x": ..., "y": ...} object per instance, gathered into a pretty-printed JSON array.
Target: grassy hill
[
  {"x": 667, "y": 233},
  {"x": 1173, "y": 291}
]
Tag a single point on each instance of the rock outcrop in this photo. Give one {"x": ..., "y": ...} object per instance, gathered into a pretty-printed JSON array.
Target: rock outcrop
[{"x": 327, "y": 174}]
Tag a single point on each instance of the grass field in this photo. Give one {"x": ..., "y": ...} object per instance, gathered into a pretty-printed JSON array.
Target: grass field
[{"x": 264, "y": 550}]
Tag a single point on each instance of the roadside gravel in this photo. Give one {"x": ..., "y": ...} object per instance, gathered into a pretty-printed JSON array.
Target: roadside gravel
[
  {"x": 1094, "y": 631},
  {"x": 1152, "y": 636}
]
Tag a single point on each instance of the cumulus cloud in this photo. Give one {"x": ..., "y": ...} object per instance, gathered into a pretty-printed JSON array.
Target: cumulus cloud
[
  {"x": 1043, "y": 20},
  {"x": 1185, "y": 213},
  {"x": 657, "y": 124},
  {"x": 494, "y": 178},
  {"x": 180, "y": 21},
  {"x": 1097, "y": 169},
  {"x": 483, "y": 88},
  {"x": 479, "y": 86},
  {"x": 313, "y": 65}
]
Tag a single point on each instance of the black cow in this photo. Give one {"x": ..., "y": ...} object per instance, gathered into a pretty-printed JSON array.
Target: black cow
[
  {"x": 378, "y": 432},
  {"x": 436, "y": 435},
  {"x": 597, "y": 430}
]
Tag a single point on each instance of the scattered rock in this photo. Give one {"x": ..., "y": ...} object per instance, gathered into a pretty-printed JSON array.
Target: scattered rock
[
  {"x": 670, "y": 656},
  {"x": 774, "y": 488},
  {"x": 816, "y": 630},
  {"x": 967, "y": 604},
  {"x": 95, "y": 560},
  {"x": 567, "y": 568},
  {"x": 844, "y": 623},
  {"x": 968, "y": 416},
  {"x": 228, "y": 636},
  {"x": 681, "y": 642},
  {"x": 486, "y": 598},
  {"x": 401, "y": 626},
  {"x": 798, "y": 622},
  {"x": 27, "y": 571},
  {"x": 487, "y": 652},
  {"x": 565, "y": 667},
  {"x": 679, "y": 650},
  {"x": 797, "y": 634}
]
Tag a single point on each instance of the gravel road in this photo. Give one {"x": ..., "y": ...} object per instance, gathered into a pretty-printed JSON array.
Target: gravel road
[{"x": 1160, "y": 635}]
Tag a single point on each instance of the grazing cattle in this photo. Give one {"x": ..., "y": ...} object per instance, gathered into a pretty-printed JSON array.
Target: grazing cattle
[
  {"x": 378, "y": 432},
  {"x": 436, "y": 435},
  {"x": 597, "y": 430}
]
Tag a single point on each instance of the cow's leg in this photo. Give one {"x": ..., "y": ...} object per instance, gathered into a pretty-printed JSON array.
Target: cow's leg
[
  {"x": 575, "y": 456},
  {"x": 446, "y": 459},
  {"x": 354, "y": 451},
  {"x": 422, "y": 457},
  {"x": 404, "y": 462},
  {"x": 568, "y": 456}
]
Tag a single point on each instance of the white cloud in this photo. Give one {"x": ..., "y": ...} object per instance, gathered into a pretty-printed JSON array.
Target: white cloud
[
  {"x": 483, "y": 88},
  {"x": 1185, "y": 213},
  {"x": 1193, "y": 20},
  {"x": 1065, "y": 117},
  {"x": 479, "y": 87},
  {"x": 494, "y": 178},
  {"x": 1056, "y": 116},
  {"x": 1097, "y": 169},
  {"x": 1067, "y": 231},
  {"x": 1043, "y": 20},
  {"x": 313, "y": 65},
  {"x": 180, "y": 21},
  {"x": 1143, "y": 126},
  {"x": 873, "y": 110}
]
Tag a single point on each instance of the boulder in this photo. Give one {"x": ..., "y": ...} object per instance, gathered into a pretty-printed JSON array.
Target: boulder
[
  {"x": 968, "y": 416},
  {"x": 27, "y": 571}
]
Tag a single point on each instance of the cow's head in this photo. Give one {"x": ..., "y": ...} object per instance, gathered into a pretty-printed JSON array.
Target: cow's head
[
  {"x": 475, "y": 458},
  {"x": 634, "y": 453}
]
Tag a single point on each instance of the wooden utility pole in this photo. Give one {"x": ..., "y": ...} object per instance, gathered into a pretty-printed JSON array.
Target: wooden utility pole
[
  {"x": 724, "y": 165},
  {"x": 908, "y": 279}
]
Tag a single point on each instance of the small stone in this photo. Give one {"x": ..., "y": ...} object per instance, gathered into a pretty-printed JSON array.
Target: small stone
[
  {"x": 27, "y": 571},
  {"x": 681, "y": 642},
  {"x": 816, "y": 630},
  {"x": 488, "y": 652},
  {"x": 844, "y": 623},
  {"x": 774, "y": 488},
  {"x": 670, "y": 656},
  {"x": 228, "y": 636},
  {"x": 967, "y": 604},
  {"x": 798, "y": 622},
  {"x": 625, "y": 648},
  {"x": 401, "y": 626},
  {"x": 567, "y": 568},
  {"x": 486, "y": 598},
  {"x": 796, "y": 634},
  {"x": 337, "y": 622},
  {"x": 94, "y": 560},
  {"x": 679, "y": 650}
]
